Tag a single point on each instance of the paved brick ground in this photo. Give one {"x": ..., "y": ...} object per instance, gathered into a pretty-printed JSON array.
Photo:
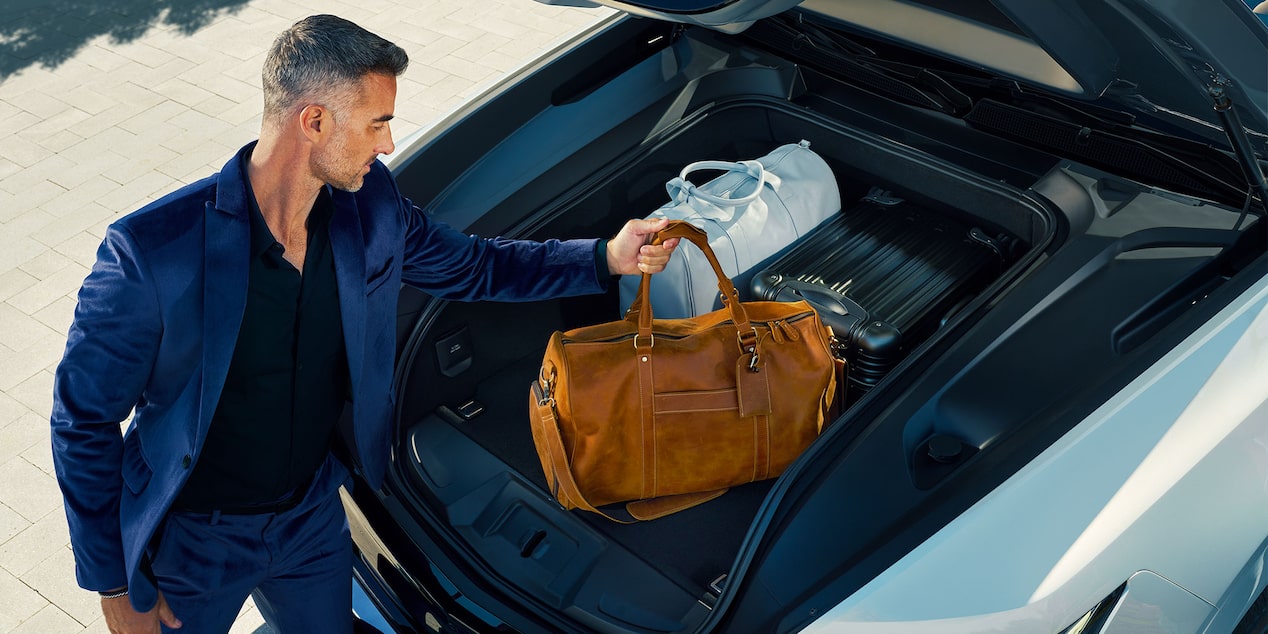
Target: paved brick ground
[{"x": 105, "y": 106}]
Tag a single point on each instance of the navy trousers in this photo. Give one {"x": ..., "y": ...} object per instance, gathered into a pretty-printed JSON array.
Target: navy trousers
[{"x": 296, "y": 564}]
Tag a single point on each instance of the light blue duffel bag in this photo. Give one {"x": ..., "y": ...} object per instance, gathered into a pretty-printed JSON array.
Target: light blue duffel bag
[{"x": 750, "y": 213}]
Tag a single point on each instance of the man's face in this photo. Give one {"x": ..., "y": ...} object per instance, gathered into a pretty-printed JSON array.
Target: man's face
[{"x": 360, "y": 133}]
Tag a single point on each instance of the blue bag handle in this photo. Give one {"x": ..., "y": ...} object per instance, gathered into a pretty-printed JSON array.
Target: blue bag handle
[{"x": 680, "y": 189}]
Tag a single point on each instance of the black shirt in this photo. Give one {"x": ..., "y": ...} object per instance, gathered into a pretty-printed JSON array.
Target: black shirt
[{"x": 287, "y": 381}]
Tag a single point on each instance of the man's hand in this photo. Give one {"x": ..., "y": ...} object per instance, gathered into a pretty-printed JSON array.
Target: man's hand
[
  {"x": 631, "y": 252},
  {"x": 121, "y": 618}
]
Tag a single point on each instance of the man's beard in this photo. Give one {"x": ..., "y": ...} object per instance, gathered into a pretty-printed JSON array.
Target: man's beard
[{"x": 333, "y": 170}]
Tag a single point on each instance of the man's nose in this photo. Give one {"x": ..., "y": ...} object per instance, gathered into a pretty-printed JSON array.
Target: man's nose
[{"x": 386, "y": 145}]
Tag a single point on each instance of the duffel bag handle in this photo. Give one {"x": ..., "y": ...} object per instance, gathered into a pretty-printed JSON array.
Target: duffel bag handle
[
  {"x": 680, "y": 189},
  {"x": 697, "y": 236}
]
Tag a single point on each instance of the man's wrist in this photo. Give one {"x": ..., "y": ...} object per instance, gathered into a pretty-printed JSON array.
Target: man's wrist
[
  {"x": 114, "y": 594},
  {"x": 602, "y": 262}
]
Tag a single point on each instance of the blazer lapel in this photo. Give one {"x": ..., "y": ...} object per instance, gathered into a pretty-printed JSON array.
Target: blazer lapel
[
  {"x": 347, "y": 245},
  {"x": 226, "y": 267}
]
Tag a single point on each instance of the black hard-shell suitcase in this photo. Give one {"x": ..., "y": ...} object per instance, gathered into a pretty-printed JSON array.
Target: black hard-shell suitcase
[{"x": 885, "y": 274}]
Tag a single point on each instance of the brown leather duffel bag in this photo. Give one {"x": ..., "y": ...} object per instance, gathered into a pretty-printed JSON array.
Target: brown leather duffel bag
[{"x": 668, "y": 413}]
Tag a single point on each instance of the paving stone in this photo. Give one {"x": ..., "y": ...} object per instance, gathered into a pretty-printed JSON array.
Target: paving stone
[
  {"x": 470, "y": 71},
  {"x": 111, "y": 139},
  {"x": 11, "y": 524},
  {"x": 102, "y": 123},
  {"x": 58, "y": 315},
  {"x": 37, "y": 391},
  {"x": 152, "y": 157},
  {"x": 23, "y": 152},
  {"x": 41, "y": 540},
  {"x": 134, "y": 194},
  {"x": 82, "y": 247},
  {"x": 54, "y": 579},
  {"x": 40, "y": 454},
  {"x": 46, "y": 291},
  {"x": 45, "y": 264},
  {"x": 143, "y": 53},
  {"x": 231, "y": 89},
  {"x": 14, "y": 281},
  {"x": 198, "y": 160},
  {"x": 27, "y": 430},
  {"x": 28, "y": 490},
  {"x": 105, "y": 58},
  {"x": 250, "y": 621},
  {"x": 246, "y": 114},
  {"x": 151, "y": 77},
  {"x": 155, "y": 117},
  {"x": 8, "y": 168},
  {"x": 182, "y": 92},
  {"x": 17, "y": 121},
  {"x": 10, "y": 410},
  {"x": 16, "y": 367},
  {"x": 48, "y": 126},
  {"x": 96, "y": 627},
  {"x": 86, "y": 99},
  {"x": 49, "y": 167},
  {"x": 128, "y": 92},
  {"x": 28, "y": 222},
  {"x": 59, "y": 140},
  {"x": 74, "y": 221},
  {"x": 39, "y": 103},
  {"x": 18, "y": 249},
  {"x": 19, "y": 602},
  {"x": 50, "y": 620}
]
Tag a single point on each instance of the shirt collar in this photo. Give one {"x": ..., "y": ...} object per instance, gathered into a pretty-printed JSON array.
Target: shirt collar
[{"x": 262, "y": 238}]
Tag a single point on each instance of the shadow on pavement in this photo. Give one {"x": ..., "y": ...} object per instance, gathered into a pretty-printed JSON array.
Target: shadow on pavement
[{"x": 49, "y": 32}]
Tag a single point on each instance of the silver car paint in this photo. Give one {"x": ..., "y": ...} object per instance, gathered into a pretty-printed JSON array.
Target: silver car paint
[
  {"x": 1151, "y": 604},
  {"x": 1170, "y": 475}
]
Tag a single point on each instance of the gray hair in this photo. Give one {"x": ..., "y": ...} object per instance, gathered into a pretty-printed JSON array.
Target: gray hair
[{"x": 320, "y": 59}]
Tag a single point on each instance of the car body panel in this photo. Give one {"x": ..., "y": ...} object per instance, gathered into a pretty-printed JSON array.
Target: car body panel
[
  {"x": 1155, "y": 57},
  {"x": 1151, "y": 55},
  {"x": 1151, "y": 604},
  {"x": 729, "y": 16},
  {"x": 1183, "y": 444}
]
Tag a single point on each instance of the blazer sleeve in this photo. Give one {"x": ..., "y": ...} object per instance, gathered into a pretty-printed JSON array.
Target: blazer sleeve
[
  {"x": 445, "y": 262},
  {"x": 110, "y": 351}
]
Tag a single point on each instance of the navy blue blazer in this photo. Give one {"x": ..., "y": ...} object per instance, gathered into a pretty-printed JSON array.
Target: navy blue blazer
[{"x": 158, "y": 317}]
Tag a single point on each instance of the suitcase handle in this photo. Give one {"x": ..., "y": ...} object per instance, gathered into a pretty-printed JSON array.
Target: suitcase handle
[{"x": 680, "y": 189}]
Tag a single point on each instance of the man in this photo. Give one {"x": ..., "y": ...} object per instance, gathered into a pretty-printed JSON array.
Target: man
[{"x": 234, "y": 318}]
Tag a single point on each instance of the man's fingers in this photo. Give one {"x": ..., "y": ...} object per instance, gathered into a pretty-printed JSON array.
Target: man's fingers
[
  {"x": 165, "y": 614},
  {"x": 652, "y": 259}
]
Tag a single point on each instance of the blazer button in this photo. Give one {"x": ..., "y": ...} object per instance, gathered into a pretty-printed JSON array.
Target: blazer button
[{"x": 185, "y": 461}]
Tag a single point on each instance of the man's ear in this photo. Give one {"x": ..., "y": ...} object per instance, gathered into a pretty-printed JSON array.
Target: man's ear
[{"x": 315, "y": 121}]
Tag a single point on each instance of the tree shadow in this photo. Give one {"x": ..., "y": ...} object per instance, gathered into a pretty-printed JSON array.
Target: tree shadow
[{"x": 49, "y": 32}]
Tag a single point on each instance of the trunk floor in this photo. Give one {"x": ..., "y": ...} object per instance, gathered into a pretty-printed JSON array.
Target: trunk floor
[{"x": 693, "y": 547}]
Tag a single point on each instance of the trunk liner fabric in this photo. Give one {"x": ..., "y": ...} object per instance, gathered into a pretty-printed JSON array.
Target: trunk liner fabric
[{"x": 694, "y": 546}]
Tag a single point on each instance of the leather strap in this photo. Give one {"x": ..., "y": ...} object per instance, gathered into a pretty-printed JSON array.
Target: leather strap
[
  {"x": 669, "y": 504},
  {"x": 647, "y": 414},
  {"x": 641, "y": 309},
  {"x": 564, "y": 482}
]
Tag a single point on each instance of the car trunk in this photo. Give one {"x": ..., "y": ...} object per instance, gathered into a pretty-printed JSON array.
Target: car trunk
[{"x": 463, "y": 389}]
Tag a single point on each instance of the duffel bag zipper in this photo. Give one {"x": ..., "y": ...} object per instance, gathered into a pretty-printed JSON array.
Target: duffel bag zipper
[{"x": 784, "y": 326}]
